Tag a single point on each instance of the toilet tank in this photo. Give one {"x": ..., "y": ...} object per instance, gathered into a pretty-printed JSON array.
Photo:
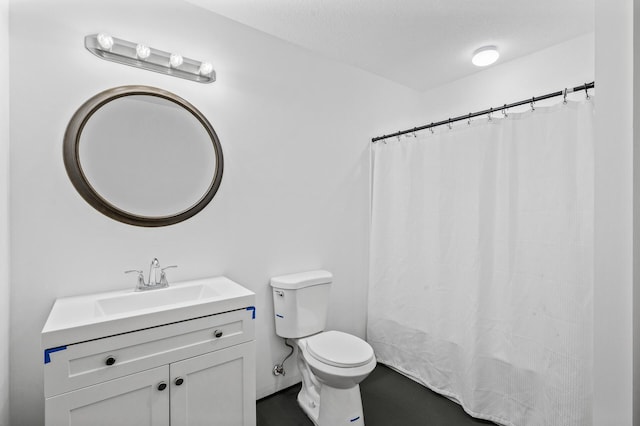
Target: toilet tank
[{"x": 300, "y": 303}]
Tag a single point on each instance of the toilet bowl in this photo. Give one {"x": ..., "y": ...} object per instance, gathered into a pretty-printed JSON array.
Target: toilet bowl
[
  {"x": 338, "y": 359},
  {"x": 332, "y": 363}
]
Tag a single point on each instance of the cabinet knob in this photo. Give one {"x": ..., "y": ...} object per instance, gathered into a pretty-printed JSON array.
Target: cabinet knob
[
  {"x": 110, "y": 360},
  {"x": 162, "y": 386},
  {"x": 179, "y": 381},
  {"x": 218, "y": 333}
]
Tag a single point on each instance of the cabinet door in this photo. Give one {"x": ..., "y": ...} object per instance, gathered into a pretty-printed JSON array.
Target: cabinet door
[
  {"x": 217, "y": 388},
  {"x": 133, "y": 400}
]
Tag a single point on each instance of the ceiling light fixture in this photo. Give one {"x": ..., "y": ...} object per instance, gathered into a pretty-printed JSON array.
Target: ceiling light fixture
[
  {"x": 141, "y": 56},
  {"x": 485, "y": 56}
]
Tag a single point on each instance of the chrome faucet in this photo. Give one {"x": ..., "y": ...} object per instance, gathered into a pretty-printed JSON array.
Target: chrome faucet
[
  {"x": 153, "y": 272},
  {"x": 157, "y": 276}
]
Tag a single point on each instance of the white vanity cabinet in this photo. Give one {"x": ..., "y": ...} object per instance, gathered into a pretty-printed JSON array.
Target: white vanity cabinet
[{"x": 199, "y": 371}]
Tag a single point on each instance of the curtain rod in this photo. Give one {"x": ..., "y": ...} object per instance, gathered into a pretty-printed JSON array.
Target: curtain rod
[{"x": 504, "y": 107}]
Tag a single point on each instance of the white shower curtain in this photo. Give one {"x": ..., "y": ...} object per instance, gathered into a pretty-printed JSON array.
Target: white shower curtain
[{"x": 482, "y": 263}]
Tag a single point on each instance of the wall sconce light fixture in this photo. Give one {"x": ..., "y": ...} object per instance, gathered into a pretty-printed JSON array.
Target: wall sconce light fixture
[{"x": 138, "y": 55}]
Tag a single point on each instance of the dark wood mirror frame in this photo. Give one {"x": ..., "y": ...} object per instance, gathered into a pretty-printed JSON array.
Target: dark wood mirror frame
[{"x": 80, "y": 182}]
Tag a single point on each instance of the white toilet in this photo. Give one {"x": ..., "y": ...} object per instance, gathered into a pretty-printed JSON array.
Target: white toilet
[{"x": 332, "y": 363}]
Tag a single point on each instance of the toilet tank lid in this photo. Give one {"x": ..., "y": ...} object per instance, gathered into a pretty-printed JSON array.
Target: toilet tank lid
[{"x": 301, "y": 280}]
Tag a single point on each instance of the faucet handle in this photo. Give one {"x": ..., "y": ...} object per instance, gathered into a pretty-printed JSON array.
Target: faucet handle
[
  {"x": 140, "y": 277},
  {"x": 163, "y": 275}
]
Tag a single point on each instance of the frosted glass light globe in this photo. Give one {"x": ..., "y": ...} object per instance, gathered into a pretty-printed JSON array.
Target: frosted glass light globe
[
  {"x": 206, "y": 68},
  {"x": 175, "y": 60},
  {"x": 142, "y": 51},
  {"x": 105, "y": 41},
  {"x": 485, "y": 56}
]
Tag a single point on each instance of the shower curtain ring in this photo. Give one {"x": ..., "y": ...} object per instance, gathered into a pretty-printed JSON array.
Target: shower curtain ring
[
  {"x": 469, "y": 120},
  {"x": 489, "y": 115},
  {"x": 533, "y": 108},
  {"x": 504, "y": 110},
  {"x": 586, "y": 91},
  {"x": 564, "y": 94},
  {"x": 449, "y": 125},
  {"x": 431, "y": 128}
]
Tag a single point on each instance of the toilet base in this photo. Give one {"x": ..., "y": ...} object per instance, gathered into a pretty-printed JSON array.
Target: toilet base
[
  {"x": 336, "y": 407},
  {"x": 310, "y": 406}
]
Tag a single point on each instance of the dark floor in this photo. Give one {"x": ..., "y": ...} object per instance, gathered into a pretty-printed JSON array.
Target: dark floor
[{"x": 388, "y": 399}]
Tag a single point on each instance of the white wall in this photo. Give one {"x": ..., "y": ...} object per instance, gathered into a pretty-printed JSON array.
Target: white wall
[
  {"x": 613, "y": 292},
  {"x": 4, "y": 213},
  {"x": 295, "y": 132},
  {"x": 636, "y": 216},
  {"x": 567, "y": 64}
]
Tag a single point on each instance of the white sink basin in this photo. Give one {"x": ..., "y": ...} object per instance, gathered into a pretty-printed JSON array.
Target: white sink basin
[
  {"x": 81, "y": 318},
  {"x": 156, "y": 299}
]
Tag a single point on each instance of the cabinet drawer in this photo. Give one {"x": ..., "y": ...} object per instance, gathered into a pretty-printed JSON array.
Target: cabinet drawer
[{"x": 85, "y": 364}]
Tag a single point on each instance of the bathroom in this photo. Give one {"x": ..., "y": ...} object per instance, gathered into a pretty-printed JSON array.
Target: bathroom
[{"x": 295, "y": 127}]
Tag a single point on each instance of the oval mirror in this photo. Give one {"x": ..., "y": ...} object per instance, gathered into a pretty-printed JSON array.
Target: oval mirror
[{"x": 143, "y": 156}]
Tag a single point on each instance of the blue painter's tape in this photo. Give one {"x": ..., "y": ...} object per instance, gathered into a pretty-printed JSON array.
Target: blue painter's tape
[
  {"x": 354, "y": 419},
  {"x": 252, "y": 308},
  {"x": 279, "y": 316},
  {"x": 48, "y": 352}
]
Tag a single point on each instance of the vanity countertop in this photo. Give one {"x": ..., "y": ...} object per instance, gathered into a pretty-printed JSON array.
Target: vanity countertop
[{"x": 82, "y": 318}]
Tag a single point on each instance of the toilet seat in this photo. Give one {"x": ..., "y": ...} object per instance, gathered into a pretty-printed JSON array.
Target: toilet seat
[{"x": 339, "y": 349}]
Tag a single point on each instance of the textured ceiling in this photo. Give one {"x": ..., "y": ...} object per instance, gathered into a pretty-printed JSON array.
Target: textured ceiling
[{"x": 417, "y": 43}]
